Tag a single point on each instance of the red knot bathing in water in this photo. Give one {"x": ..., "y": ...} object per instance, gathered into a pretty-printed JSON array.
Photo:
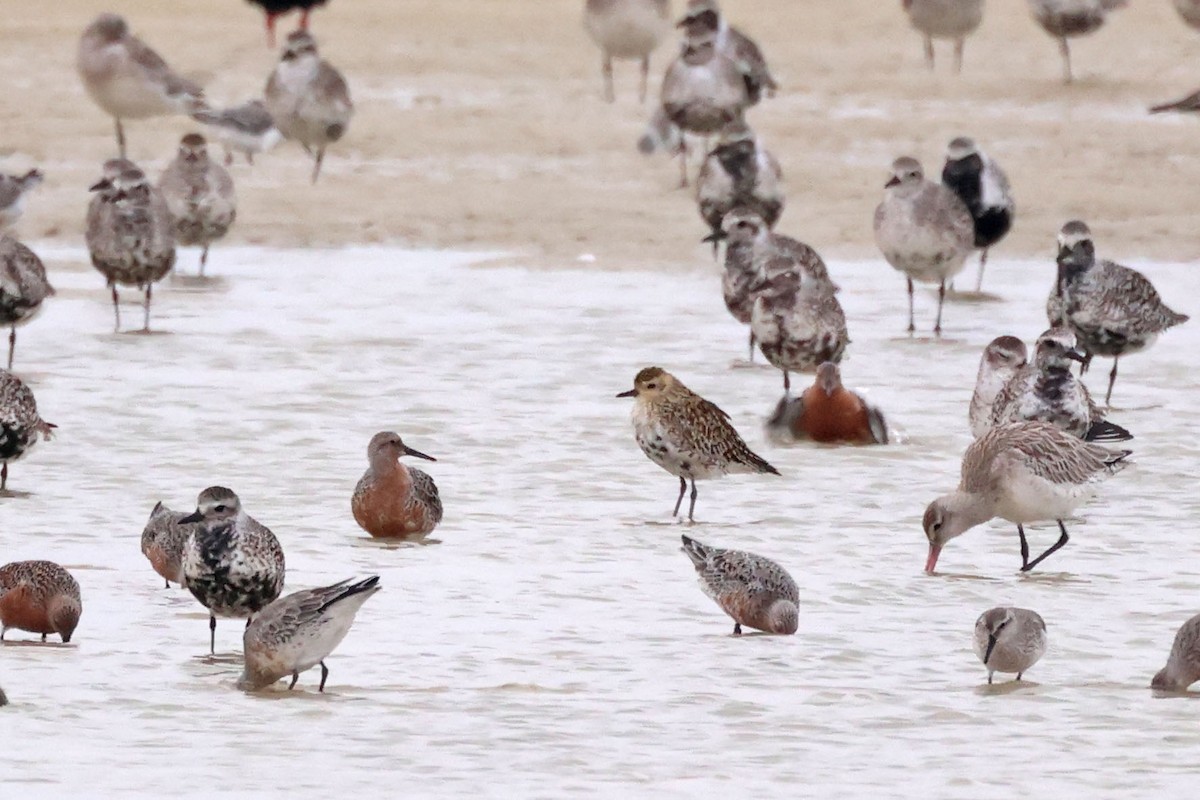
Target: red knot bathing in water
[
  {"x": 1064, "y": 19},
  {"x": 945, "y": 19},
  {"x": 923, "y": 230},
  {"x": 1113, "y": 310},
  {"x": 163, "y": 541},
  {"x": 308, "y": 98},
  {"x": 231, "y": 563},
  {"x": 20, "y": 424},
  {"x": 1001, "y": 360},
  {"x": 12, "y": 195},
  {"x": 1009, "y": 640},
  {"x": 127, "y": 79},
  {"x": 392, "y": 499},
  {"x": 687, "y": 435},
  {"x": 626, "y": 30},
  {"x": 39, "y": 597},
  {"x": 828, "y": 412},
  {"x": 23, "y": 287},
  {"x": 754, "y": 591},
  {"x": 1183, "y": 665},
  {"x": 1022, "y": 472},
  {"x": 298, "y": 632},
  {"x": 248, "y": 129},
  {"x": 199, "y": 194},
  {"x": 983, "y": 187}
]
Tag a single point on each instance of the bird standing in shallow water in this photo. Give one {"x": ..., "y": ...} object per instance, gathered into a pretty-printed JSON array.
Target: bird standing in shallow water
[
  {"x": 199, "y": 196},
  {"x": 20, "y": 423},
  {"x": 232, "y": 564},
  {"x": 298, "y": 632},
  {"x": 23, "y": 287},
  {"x": 392, "y": 499},
  {"x": 1183, "y": 665},
  {"x": 39, "y": 597},
  {"x": 983, "y": 187},
  {"x": 163, "y": 541},
  {"x": 1009, "y": 640},
  {"x": 687, "y": 435},
  {"x": 626, "y": 29},
  {"x": 828, "y": 412},
  {"x": 754, "y": 591}
]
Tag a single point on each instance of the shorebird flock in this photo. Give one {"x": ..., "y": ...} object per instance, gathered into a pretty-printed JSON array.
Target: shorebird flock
[{"x": 1043, "y": 444}]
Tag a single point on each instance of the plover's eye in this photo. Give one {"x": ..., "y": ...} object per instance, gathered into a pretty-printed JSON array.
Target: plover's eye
[
  {"x": 651, "y": 385},
  {"x": 218, "y": 508}
]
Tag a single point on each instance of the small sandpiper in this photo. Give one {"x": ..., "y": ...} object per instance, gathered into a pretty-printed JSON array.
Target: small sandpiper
[
  {"x": 232, "y": 564},
  {"x": 1047, "y": 390},
  {"x": 1113, "y": 310},
  {"x": 704, "y": 18},
  {"x": 127, "y": 79},
  {"x": 163, "y": 541},
  {"x": 297, "y": 632},
  {"x": 687, "y": 435},
  {"x": 1183, "y": 665},
  {"x": 945, "y": 19},
  {"x": 1064, "y": 19},
  {"x": 199, "y": 195},
  {"x": 308, "y": 98},
  {"x": 983, "y": 187},
  {"x": 39, "y": 597},
  {"x": 1001, "y": 359},
  {"x": 12, "y": 195},
  {"x": 23, "y": 287},
  {"x": 1021, "y": 472},
  {"x": 248, "y": 129},
  {"x": 1009, "y": 639},
  {"x": 20, "y": 423},
  {"x": 626, "y": 30},
  {"x": 391, "y": 499},
  {"x": 753, "y": 590},
  {"x": 739, "y": 173},
  {"x": 924, "y": 230},
  {"x": 827, "y": 412}
]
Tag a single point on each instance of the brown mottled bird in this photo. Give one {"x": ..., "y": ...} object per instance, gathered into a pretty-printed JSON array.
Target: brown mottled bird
[{"x": 39, "y": 597}]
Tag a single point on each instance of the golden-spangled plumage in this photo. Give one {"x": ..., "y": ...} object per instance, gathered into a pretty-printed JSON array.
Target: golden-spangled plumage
[
  {"x": 392, "y": 499},
  {"x": 753, "y": 590},
  {"x": 39, "y": 597},
  {"x": 685, "y": 434}
]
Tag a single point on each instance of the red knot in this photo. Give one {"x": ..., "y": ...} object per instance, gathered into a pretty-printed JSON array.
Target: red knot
[
  {"x": 163, "y": 541},
  {"x": 754, "y": 591},
  {"x": 39, "y": 597},
  {"x": 392, "y": 499},
  {"x": 828, "y": 412}
]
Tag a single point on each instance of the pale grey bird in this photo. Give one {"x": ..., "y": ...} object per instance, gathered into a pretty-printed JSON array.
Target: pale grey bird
[
  {"x": 127, "y": 79},
  {"x": 1009, "y": 639},
  {"x": 753, "y": 590},
  {"x": 199, "y": 195},
  {"x": 739, "y": 173},
  {"x": 1183, "y": 665},
  {"x": 983, "y": 187},
  {"x": 626, "y": 30},
  {"x": 23, "y": 287},
  {"x": 1001, "y": 360},
  {"x": 20, "y": 423},
  {"x": 12, "y": 195},
  {"x": 308, "y": 98},
  {"x": 945, "y": 19},
  {"x": 1113, "y": 310},
  {"x": 129, "y": 236},
  {"x": 704, "y": 18},
  {"x": 1066, "y": 19},
  {"x": 924, "y": 230},
  {"x": 247, "y": 129},
  {"x": 297, "y": 632},
  {"x": 163, "y": 540}
]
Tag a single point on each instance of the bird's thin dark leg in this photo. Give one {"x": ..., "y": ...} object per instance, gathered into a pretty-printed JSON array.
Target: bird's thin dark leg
[
  {"x": 606, "y": 69},
  {"x": 1024, "y": 548},
  {"x": 146, "y": 309},
  {"x": 212, "y": 635},
  {"x": 116, "y": 310},
  {"x": 645, "y": 79},
  {"x": 989, "y": 679},
  {"x": 683, "y": 165},
  {"x": 958, "y": 56},
  {"x": 929, "y": 52},
  {"x": 12, "y": 344},
  {"x": 1063, "y": 539},
  {"x": 692, "y": 506},
  {"x": 737, "y": 629},
  {"x": 167, "y": 582},
  {"x": 43, "y": 637},
  {"x": 1112, "y": 379},
  {"x": 3, "y": 475},
  {"x": 203, "y": 259},
  {"x": 1019, "y": 674},
  {"x": 752, "y": 341},
  {"x": 937, "y": 326},
  {"x": 1065, "y": 49},
  {"x": 324, "y": 675},
  {"x": 679, "y": 501},
  {"x": 911, "y": 327},
  {"x": 317, "y": 165},
  {"x": 295, "y": 677},
  {"x": 982, "y": 264},
  {"x": 120, "y": 136},
  {"x": 787, "y": 383}
]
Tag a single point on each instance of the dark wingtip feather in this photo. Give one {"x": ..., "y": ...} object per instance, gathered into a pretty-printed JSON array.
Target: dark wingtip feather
[{"x": 1105, "y": 431}]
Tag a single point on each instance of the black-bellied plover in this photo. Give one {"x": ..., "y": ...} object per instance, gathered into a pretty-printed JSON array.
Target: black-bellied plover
[
  {"x": 739, "y": 173},
  {"x": 12, "y": 195},
  {"x": 20, "y": 423},
  {"x": 130, "y": 237},
  {"x": 23, "y": 287},
  {"x": 704, "y": 18},
  {"x": 127, "y": 79},
  {"x": 232, "y": 563},
  {"x": 1065, "y": 19},
  {"x": 980, "y": 183},
  {"x": 39, "y": 597},
  {"x": 827, "y": 412},
  {"x": 687, "y": 435},
  {"x": 199, "y": 195},
  {"x": 308, "y": 98},
  {"x": 1047, "y": 390},
  {"x": 1022, "y": 472},
  {"x": 945, "y": 19},
  {"x": 754, "y": 591},
  {"x": 277, "y": 8},
  {"x": 392, "y": 499},
  {"x": 923, "y": 230},
  {"x": 626, "y": 30},
  {"x": 1009, "y": 639},
  {"x": 1001, "y": 359},
  {"x": 248, "y": 129},
  {"x": 1183, "y": 664},
  {"x": 1113, "y": 310},
  {"x": 163, "y": 541},
  {"x": 298, "y": 632}
]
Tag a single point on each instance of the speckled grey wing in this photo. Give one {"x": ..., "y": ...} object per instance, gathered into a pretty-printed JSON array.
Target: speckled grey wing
[
  {"x": 756, "y": 574},
  {"x": 280, "y": 621},
  {"x": 250, "y": 118},
  {"x": 1119, "y": 298},
  {"x": 1045, "y": 450},
  {"x": 426, "y": 491},
  {"x": 157, "y": 70},
  {"x": 806, "y": 258},
  {"x": 753, "y": 65}
]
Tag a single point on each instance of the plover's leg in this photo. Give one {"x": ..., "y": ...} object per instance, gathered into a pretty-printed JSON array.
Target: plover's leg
[
  {"x": 1065, "y": 49},
  {"x": 146, "y": 309},
  {"x": 937, "y": 326},
  {"x": 1019, "y": 674},
  {"x": 911, "y": 326},
  {"x": 1061, "y": 541},
  {"x": 683, "y": 165},
  {"x": 317, "y": 165},
  {"x": 324, "y": 675},
  {"x": 3, "y": 483},
  {"x": 787, "y": 384},
  {"x": 1024, "y": 547},
  {"x": 679, "y": 502},
  {"x": 43, "y": 637},
  {"x": 737, "y": 629},
  {"x": 295, "y": 677},
  {"x": 167, "y": 582},
  {"x": 12, "y": 345},
  {"x": 1087, "y": 362},
  {"x": 929, "y": 52},
  {"x": 212, "y": 635},
  {"x": 982, "y": 264},
  {"x": 116, "y": 310},
  {"x": 958, "y": 55},
  {"x": 606, "y": 69},
  {"x": 1112, "y": 379},
  {"x": 692, "y": 506},
  {"x": 120, "y": 136},
  {"x": 752, "y": 340},
  {"x": 989, "y": 677},
  {"x": 645, "y": 79},
  {"x": 203, "y": 259}
]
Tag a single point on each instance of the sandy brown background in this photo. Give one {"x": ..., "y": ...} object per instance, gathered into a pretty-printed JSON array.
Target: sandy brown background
[{"x": 480, "y": 125}]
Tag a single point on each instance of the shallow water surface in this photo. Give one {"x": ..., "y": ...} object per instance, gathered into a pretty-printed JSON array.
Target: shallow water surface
[{"x": 554, "y": 643}]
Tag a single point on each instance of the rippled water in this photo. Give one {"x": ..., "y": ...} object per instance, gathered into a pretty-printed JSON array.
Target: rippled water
[{"x": 555, "y": 642}]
